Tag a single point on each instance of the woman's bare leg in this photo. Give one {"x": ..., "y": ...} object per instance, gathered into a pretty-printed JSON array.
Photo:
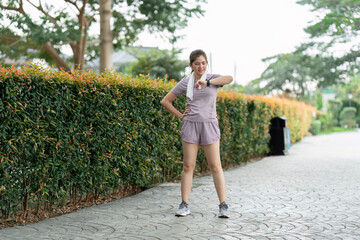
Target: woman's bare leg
[
  {"x": 212, "y": 153},
  {"x": 190, "y": 151}
]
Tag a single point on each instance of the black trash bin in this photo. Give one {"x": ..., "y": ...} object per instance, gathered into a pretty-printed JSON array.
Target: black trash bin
[{"x": 280, "y": 136}]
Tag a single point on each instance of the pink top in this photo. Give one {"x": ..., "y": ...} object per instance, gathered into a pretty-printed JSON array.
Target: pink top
[{"x": 203, "y": 105}]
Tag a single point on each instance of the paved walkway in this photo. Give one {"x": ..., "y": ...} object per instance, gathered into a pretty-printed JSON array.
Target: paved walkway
[{"x": 312, "y": 193}]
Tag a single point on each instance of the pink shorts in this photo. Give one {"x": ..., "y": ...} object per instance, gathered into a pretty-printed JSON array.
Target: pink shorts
[{"x": 202, "y": 133}]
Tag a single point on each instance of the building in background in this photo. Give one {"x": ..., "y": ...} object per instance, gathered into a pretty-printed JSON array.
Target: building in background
[
  {"x": 120, "y": 59},
  {"x": 327, "y": 94}
]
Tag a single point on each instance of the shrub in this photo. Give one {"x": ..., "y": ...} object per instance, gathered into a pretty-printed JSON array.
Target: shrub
[
  {"x": 298, "y": 114},
  {"x": 350, "y": 103},
  {"x": 244, "y": 126},
  {"x": 334, "y": 107},
  {"x": 348, "y": 117},
  {"x": 68, "y": 137},
  {"x": 315, "y": 127},
  {"x": 326, "y": 120},
  {"x": 157, "y": 63},
  {"x": 319, "y": 100}
]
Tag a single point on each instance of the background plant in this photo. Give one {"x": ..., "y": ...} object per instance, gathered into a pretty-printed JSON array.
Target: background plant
[
  {"x": 67, "y": 138},
  {"x": 46, "y": 28},
  {"x": 316, "y": 62},
  {"x": 348, "y": 117},
  {"x": 158, "y": 64}
]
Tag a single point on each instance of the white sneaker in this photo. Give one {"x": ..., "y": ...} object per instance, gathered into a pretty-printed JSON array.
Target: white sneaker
[
  {"x": 183, "y": 210},
  {"x": 223, "y": 210}
]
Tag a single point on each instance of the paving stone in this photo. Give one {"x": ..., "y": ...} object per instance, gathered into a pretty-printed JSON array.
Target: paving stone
[{"x": 312, "y": 193}]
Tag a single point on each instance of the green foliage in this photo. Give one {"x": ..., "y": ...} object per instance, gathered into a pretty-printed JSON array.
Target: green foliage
[
  {"x": 326, "y": 120},
  {"x": 285, "y": 70},
  {"x": 65, "y": 137},
  {"x": 340, "y": 18},
  {"x": 336, "y": 130},
  {"x": 70, "y": 136},
  {"x": 314, "y": 62},
  {"x": 338, "y": 22},
  {"x": 348, "y": 117},
  {"x": 244, "y": 129},
  {"x": 295, "y": 72},
  {"x": 298, "y": 114},
  {"x": 355, "y": 104},
  {"x": 334, "y": 107},
  {"x": 319, "y": 100},
  {"x": 235, "y": 87},
  {"x": 315, "y": 127},
  {"x": 42, "y": 22},
  {"x": 349, "y": 92},
  {"x": 62, "y": 139},
  {"x": 9, "y": 39},
  {"x": 158, "y": 64},
  {"x": 156, "y": 16}
]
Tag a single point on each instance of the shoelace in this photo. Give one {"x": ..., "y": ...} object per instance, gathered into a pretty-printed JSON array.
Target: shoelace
[
  {"x": 183, "y": 204},
  {"x": 223, "y": 205}
]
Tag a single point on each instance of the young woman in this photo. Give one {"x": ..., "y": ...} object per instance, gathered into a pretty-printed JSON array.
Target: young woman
[{"x": 199, "y": 127}]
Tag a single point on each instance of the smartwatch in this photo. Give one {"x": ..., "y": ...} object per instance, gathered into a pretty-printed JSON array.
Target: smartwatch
[{"x": 207, "y": 82}]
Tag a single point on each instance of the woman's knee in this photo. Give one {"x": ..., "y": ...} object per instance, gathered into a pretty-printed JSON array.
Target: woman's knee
[
  {"x": 188, "y": 167},
  {"x": 215, "y": 168}
]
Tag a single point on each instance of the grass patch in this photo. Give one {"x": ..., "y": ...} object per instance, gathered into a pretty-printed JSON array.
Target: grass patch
[{"x": 338, "y": 129}]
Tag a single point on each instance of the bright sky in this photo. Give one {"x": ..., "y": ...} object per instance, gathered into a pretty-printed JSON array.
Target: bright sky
[{"x": 241, "y": 33}]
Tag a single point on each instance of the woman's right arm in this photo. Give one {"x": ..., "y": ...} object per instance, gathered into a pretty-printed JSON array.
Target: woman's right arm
[{"x": 167, "y": 104}]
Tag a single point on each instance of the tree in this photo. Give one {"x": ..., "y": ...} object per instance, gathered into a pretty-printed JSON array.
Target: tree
[
  {"x": 298, "y": 72},
  {"x": 338, "y": 25},
  {"x": 351, "y": 88},
  {"x": 105, "y": 35},
  {"x": 337, "y": 17},
  {"x": 315, "y": 63},
  {"x": 285, "y": 72},
  {"x": 158, "y": 64},
  {"x": 67, "y": 23}
]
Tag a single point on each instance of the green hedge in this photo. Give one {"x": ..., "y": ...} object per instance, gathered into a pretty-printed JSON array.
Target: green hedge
[
  {"x": 315, "y": 128},
  {"x": 334, "y": 108},
  {"x": 244, "y": 126},
  {"x": 61, "y": 139},
  {"x": 348, "y": 117},
  {"x": 66, "y": 137}
]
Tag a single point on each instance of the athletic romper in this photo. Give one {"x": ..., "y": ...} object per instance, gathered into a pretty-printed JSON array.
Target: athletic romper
[{"x": 200, "y": 125}]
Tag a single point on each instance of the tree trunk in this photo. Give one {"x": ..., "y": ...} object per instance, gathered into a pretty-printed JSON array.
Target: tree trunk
[
  {"x": 79, "y": 46},
  {"x": 60, "y": 63},
  {"x": 106, "y": 46}
]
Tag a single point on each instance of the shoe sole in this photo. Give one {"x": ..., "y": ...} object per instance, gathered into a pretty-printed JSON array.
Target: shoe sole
[
  {"x": 224, "y": 216},
  {"x": 183, "y": 215}
]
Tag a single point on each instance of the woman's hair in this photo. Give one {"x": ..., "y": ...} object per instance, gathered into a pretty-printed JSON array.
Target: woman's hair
[{"x": 197, "y": 53}]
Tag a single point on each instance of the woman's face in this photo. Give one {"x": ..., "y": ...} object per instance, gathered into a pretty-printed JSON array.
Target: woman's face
[{"x": 199, "y": 66}]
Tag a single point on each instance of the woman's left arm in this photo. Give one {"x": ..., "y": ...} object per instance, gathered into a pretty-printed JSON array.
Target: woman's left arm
[{"x": 223, "y": 80}]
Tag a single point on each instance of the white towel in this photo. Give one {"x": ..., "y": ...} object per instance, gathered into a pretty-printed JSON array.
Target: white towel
[{"x": 190, "y": 86}]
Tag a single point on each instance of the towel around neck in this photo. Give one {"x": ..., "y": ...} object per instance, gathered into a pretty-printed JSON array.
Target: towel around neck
[{"x": 190, "y": 86}]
